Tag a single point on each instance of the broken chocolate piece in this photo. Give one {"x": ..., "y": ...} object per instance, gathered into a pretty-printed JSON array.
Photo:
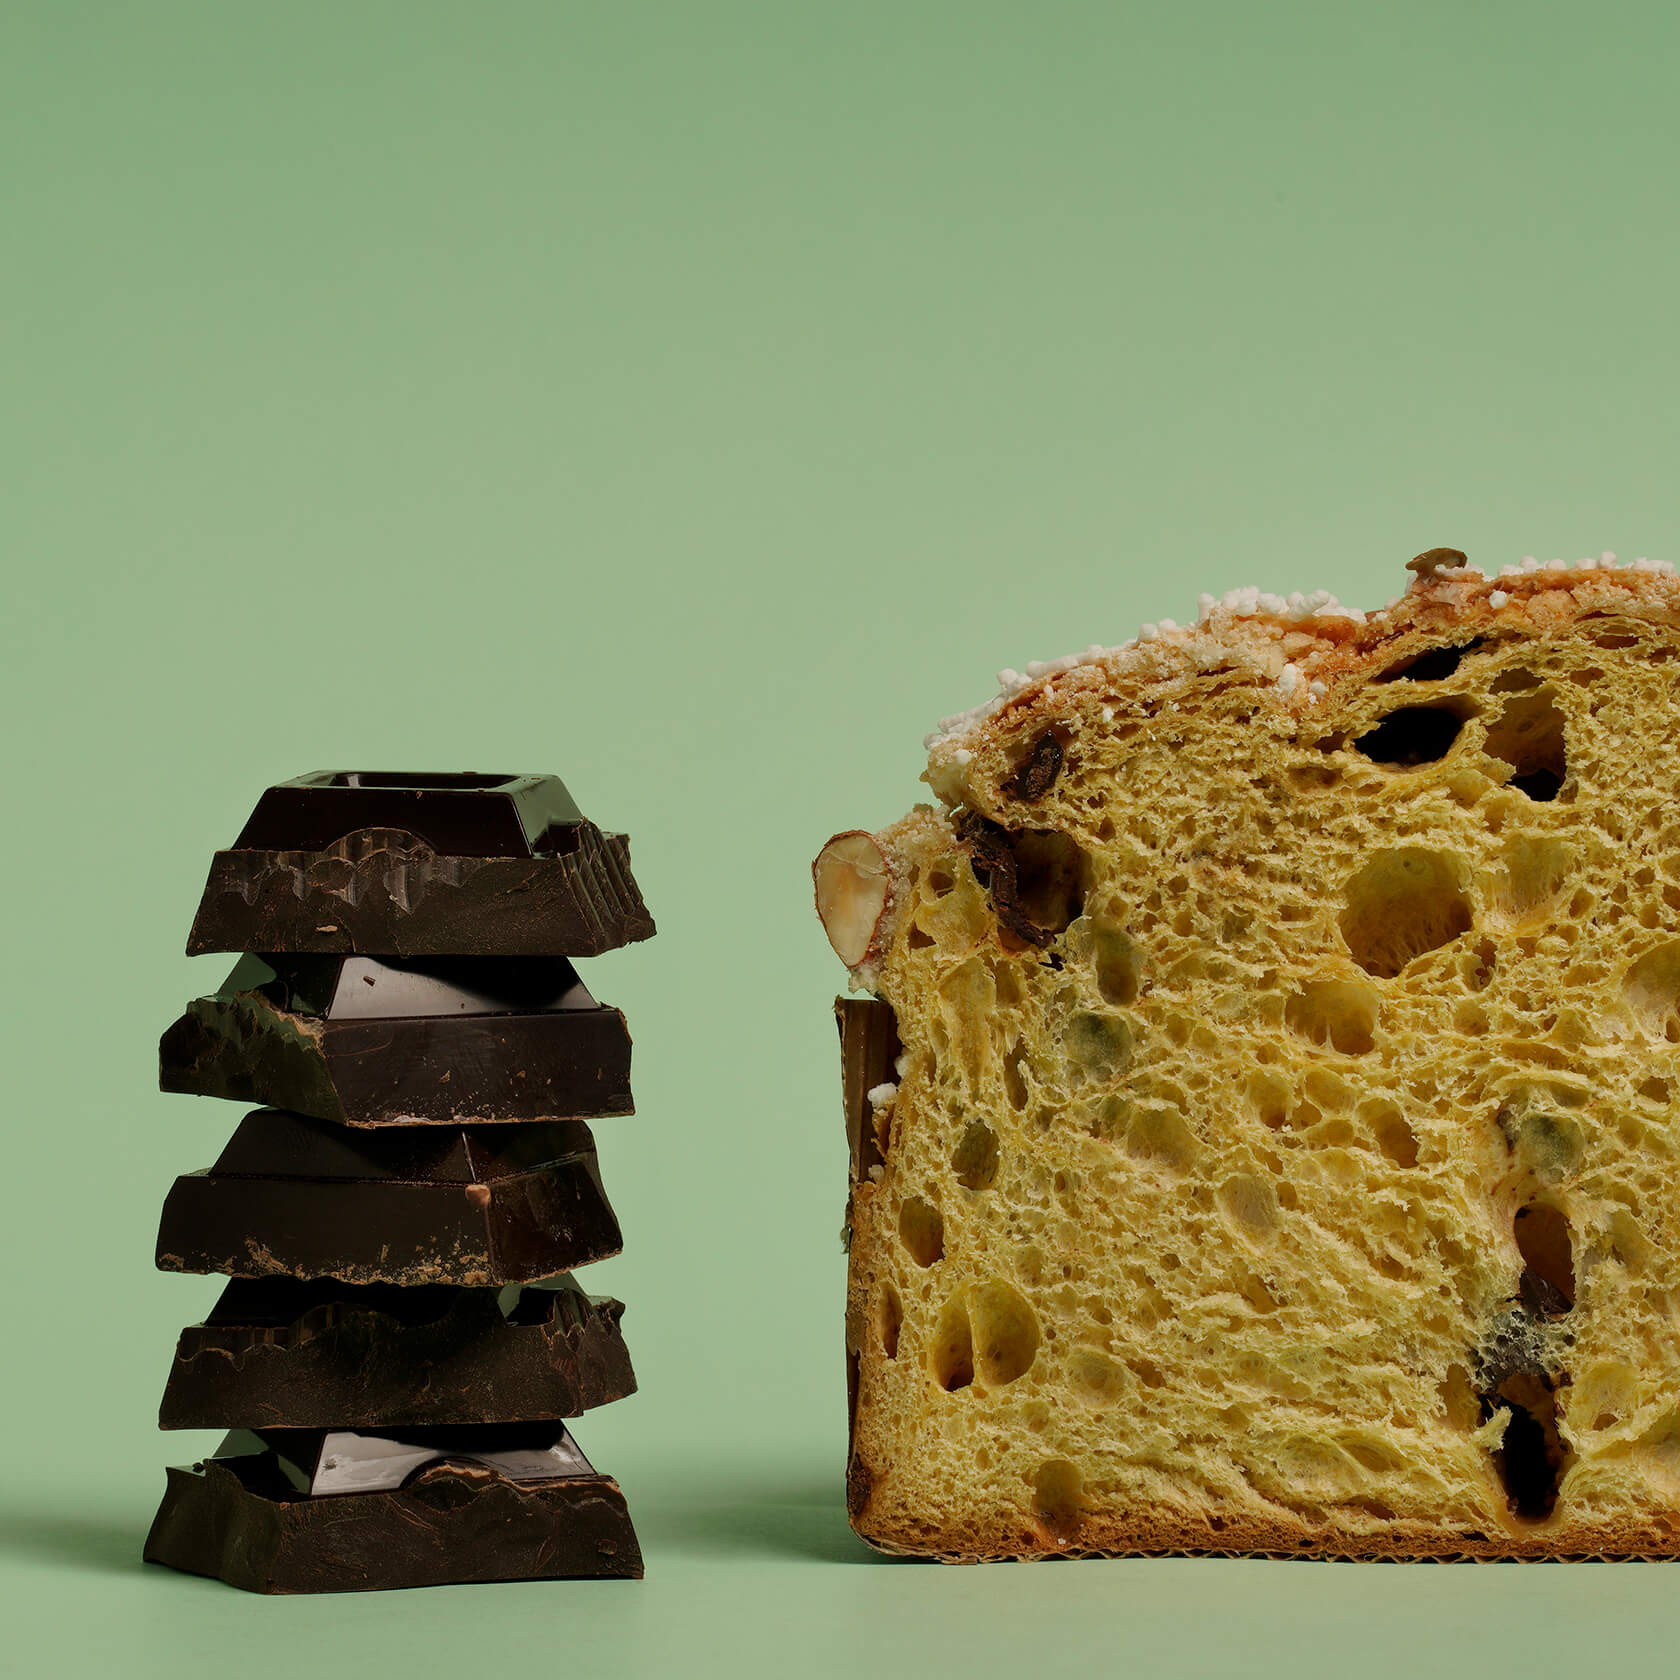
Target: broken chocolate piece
[
  {"x": 1039, "y": 770},
  {"x": 994, "y": 865},
  {"x": 370, "y": 1041},
  {"x": 391, "y": 864},
  {"x": 241, "y": 1519},
  {"x": 1541, "y": 1297},
  {"x": 281, "y": 1353},
  {"x": 298, "y": 1197},
  {"x": 869, "y": 1051}
]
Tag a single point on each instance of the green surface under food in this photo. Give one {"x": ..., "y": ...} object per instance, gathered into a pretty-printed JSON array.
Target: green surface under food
[
  {"x": 699, "y": 402},
  {"x": 755, "y": 1573}
]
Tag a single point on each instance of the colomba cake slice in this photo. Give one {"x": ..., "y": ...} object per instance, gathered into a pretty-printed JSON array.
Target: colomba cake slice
[{"x": 1263, "y": 1103}]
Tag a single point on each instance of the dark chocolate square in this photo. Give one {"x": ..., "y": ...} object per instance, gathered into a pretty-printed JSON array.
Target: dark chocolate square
[
  {"x": 278, "y": 1352},
  {"x": 293, "y": 1196},
  {"x": 374, "y": 1041},
  {"x": 419, "y": 864},
  {"x": 240, "y": 1519}
]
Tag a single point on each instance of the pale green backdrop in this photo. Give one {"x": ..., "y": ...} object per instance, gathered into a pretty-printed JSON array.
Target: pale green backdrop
[{"x": 699, "y": 400}]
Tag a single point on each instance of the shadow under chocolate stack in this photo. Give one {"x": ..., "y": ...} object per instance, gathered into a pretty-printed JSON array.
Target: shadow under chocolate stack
[{"x": 400, "y": 1341}]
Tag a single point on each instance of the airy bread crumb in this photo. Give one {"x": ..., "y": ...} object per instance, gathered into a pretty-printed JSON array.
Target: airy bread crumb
[{"x": 1284, "y": 1014}]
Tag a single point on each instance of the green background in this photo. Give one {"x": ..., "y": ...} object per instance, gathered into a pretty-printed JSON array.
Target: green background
[{"x": 699, "y": 401}]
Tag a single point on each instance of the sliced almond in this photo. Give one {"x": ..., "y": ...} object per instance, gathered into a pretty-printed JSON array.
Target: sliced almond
[{"x": 851, "y": 879}]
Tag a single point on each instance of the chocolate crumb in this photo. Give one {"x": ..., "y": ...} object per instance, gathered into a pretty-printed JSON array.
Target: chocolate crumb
[
  {"x": 1039, "y": 770},
  {"x": 859, "y": 1485},
  {"x": 994, "y": 866}
]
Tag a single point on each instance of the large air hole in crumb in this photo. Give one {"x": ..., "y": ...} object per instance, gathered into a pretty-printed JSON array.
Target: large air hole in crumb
[
  {"x": 1005, "y": 1333},
  {"x": 1432, "y": 665},
  {"x": 1328, "y": 1089},
  {"x": 1161, "y": 1137},
  {"x": 1376, "y": 1456},
  {"x": 1651, "y": 991},
  {"x": 1118, "y": 963},
  {"x": 1531, "y": 1457},
  {"x": 1057, "y": 1501},
  {"x": 1458, "y": 1399},
  {"x": 1340, "y": 1015},
  {"x": 1411, "y": 736},
  {"x": 1099, "y": 1047},
  {"x": 1401, "y": 905},
  {"x": 1110, "y": 1118},
  {"x": 1470, "y": 1019},
  {"x": 1528, "y": 735},
  {"x": 1543, "y": 1240},
  {"x": 1606, "y": 1392},
  {"x": 892, "y": 1320},
  {"x": 1629, "y": 1245},
  {"x": 1250, "y": 1204},
  {"x": 1390, "y": 1131},
  {"x": 1270, "y": 1093},
  {"x": 951, "y": 1353},
  {"x": 1049, "y": 869},
  {"x": 921, "y": 1228},
  {"x": 1549, "y": 1145},
  {"x": 1097, "y": 1379},
  {"x": 1532, "y": 875},
  {"x": 1014, "y": 1082},
  {"x": 975, "y": 1159}
]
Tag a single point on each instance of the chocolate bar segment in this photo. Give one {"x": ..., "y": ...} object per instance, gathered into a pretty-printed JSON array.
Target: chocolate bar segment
[
  {"x": 370, "y": 1041},
  {"x": 298, "y": 1197},
  {"x": 241, "y": 1520},
  {"x": 282, "y": 1353},
  {"x": 390, "y": 864},
  {"x": 869, "y": 1051}
]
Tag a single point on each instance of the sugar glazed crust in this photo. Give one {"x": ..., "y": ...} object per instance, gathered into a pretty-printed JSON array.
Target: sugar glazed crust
[{"x": 1263, "y": 1114}]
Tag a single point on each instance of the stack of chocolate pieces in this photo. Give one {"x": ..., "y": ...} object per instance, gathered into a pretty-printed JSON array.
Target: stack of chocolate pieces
[{"x": 401, "y": 1342}]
